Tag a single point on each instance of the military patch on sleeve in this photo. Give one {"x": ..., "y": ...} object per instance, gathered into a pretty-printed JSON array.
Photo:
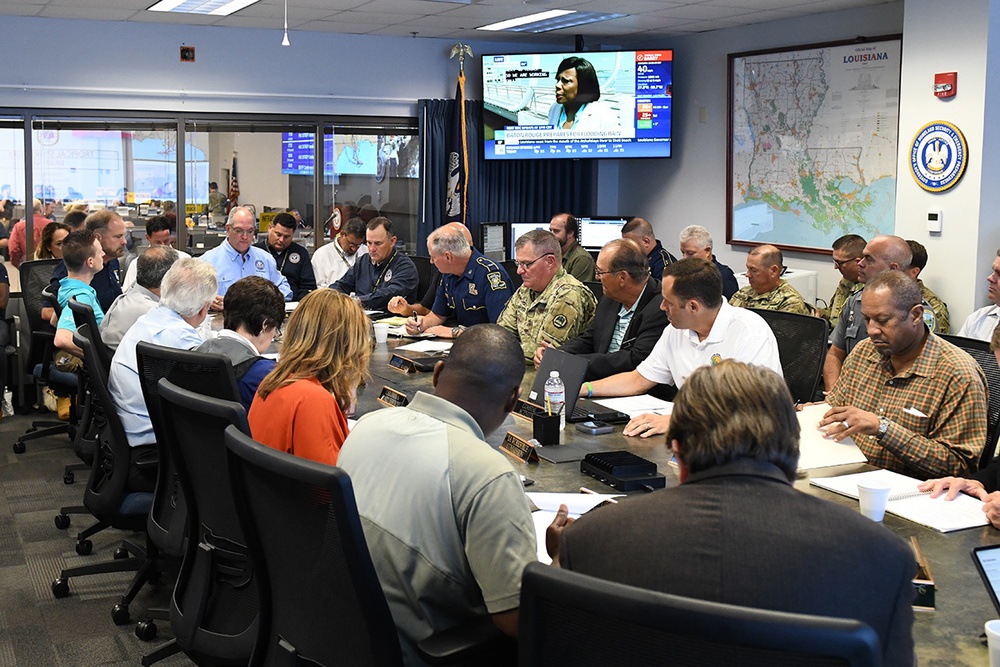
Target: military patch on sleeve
[
  {"x": 560, "y": 321},
  {"x": 496, "y": 281}
]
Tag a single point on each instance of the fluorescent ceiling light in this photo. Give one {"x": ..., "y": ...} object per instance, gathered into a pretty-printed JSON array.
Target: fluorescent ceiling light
[
  {"x": 556, "y": 19},
  {"x": 213, "y": 7},
  {"x": 530, "y": 18}
]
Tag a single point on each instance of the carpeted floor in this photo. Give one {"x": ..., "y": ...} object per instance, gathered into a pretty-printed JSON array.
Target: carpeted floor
[{"x": 37, "y": 630}]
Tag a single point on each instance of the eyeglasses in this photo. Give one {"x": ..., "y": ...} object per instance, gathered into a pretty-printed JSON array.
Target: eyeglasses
[
  {"x": 527, "y": 265},
  {"x": 841, "y": 264},
  {"x": 243, "y": 232},
  {"x": 598, "y": 273}
]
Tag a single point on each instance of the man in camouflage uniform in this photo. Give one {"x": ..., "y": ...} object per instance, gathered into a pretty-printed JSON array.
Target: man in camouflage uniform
[
  {"x": 551, "y": 305},
  {"x": 939, "y": 323},
  {"x": 847, "y": 250},
  {"x": 767, "y": 289}
]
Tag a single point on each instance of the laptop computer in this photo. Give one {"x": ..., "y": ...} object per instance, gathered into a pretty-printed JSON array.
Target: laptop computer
[{"x": 572, "y": 369}]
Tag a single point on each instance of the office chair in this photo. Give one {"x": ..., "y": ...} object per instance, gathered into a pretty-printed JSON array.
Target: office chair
[
  {"x": 568, "y": 618},
  {"x": 802, "y": 343},
  {"x": 515, "y": 278},
  {"x": 300, "y": 517},
  {"x": 980, "y": 351},
  {"x": 214, "y": 605},
  {"x": 597, "y": 287},
  {"x": 108, "y": 496},
  {"x": 35, "y": 277},
  {"x": 426, "y": 273}
]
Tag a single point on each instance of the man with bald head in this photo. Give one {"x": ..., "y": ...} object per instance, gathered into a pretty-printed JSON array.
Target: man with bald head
[
  {"x": 767, "y": 289},
  {"x": 474, "y": 289},
  {"x": 640, "y": 231},
  {"x": 577, "y": 261},
  {"x": 401, "y": 306},
  {"x": 911, "y": 401},
  {"x": 882, "y": 253}
]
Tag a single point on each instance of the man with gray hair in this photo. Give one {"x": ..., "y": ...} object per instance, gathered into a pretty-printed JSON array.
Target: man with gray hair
[
  {"x": 186, "y": 294},
  {"x": 141, "y": 297},
  {"x": 550, "y": 306},
  {"x": 911, "y": 401},
  {"x": 474, "y": 289},
  {"x": 696, "y": 241},
  {"x": 767, "y": 289},
  {"x": 237, "y": 257}
]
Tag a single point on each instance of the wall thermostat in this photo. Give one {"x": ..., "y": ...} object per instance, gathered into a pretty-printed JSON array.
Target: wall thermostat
[{"x": 934, "y": 217}]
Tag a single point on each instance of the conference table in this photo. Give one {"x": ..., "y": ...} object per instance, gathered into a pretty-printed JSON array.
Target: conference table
[{"x": 950, "y": 635}]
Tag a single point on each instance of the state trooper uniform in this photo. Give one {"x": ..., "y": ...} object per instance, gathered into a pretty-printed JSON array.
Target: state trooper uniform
[
  {"x": 294, "y": 263},
  {"x": 845, "y": 288},
  {"x": 478, "y": 296},
  {"x": 659, "y": 257},
  {"x": 783, "y": 297}
]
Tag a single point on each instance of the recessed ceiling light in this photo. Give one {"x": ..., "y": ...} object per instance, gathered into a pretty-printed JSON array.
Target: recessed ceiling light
[
  {"x": 555, "y": 19},
  {"x": 524, "y": 20},
  {"x": 212, "y": 7}
]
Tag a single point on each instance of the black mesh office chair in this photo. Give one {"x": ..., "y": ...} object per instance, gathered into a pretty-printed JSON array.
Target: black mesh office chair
[
  {"x": 802, "y": 343},
  {"x": 980, "y": 351},
  {"x": 567, "y": 618},
  {"x": 35, "y": 277},
  {"x": 321, "y": 602},
  {"x": 426, "y": 273},
  {"x": 214, "y": 606},
  {"x": 83, "y": 314},
  {"x": 597, "y": 287},
  {"x": 108, "y": 496}
]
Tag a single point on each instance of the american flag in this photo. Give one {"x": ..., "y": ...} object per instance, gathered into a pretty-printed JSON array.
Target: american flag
[{"x": 234, "y": 189}]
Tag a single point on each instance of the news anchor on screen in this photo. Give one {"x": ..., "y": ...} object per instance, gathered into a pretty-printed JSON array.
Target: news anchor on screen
[{"x": 578, "y": 95}]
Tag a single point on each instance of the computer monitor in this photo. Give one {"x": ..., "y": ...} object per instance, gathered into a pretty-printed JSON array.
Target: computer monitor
[
  {"x": 519, "y": 229},
  {"x": 594, "y": 233}
]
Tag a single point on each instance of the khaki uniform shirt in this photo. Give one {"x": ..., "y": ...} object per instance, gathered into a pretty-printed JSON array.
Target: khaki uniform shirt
[
  {"x": 561, "y": 311},
  {"x": 845, "y": 288},
  {"x": 783, "y": 297}
]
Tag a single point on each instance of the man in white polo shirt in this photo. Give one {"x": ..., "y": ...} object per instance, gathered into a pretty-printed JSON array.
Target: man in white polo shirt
[
  {"x": 703, "y": 331},
  {"x": 981, "y": 323}
]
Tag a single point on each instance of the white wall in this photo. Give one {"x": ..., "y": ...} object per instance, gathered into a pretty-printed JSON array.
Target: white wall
[{"x": 690, "y": 188}]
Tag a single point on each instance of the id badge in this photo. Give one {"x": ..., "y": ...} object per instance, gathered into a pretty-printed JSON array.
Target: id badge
[{"x": 852, "y": 331}]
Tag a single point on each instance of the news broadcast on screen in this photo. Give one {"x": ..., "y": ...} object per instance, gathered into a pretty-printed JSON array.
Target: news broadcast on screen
[{"x": 610, "y": 104}]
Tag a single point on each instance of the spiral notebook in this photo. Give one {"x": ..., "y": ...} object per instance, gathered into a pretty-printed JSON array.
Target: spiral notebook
[{"x": 907, "y": 502}]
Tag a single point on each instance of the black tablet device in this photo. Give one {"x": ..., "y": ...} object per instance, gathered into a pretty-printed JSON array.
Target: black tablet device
[{"x": 987, "y": 560}]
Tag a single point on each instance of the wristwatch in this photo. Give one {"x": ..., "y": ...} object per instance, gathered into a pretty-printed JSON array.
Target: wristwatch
[
  {"x": 883, "y": 426},
  {"x": 455, "y": 331}
]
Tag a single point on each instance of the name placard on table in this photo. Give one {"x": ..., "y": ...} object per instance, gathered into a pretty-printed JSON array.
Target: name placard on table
[
  {"x": 518, "y": 448},
  {"x": 392, "y": 398}
]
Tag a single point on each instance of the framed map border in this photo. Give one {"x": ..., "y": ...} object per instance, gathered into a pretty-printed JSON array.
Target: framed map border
[{"x": 735, "y": 59}]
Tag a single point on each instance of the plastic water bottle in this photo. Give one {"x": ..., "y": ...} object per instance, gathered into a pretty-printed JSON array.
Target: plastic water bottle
[{"x": 555, "y": 397}]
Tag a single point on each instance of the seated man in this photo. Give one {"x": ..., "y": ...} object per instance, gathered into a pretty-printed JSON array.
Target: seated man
[
  {"x": 640, "y": 231},
  {"x": 336, "y": 258},
  {"x": 141, "y": 297},
  {"x": 847, "y": 252},
  {"x": 703, "y": 331},
  {"x": 577, "y": 261},
  {"x": 401, "y": 306},
  {"x": 883, "y": 253},
  {"x": 384, "y": 274},
  {"x": 696, "y": 241},
  {"x": 913, "y": 402},
  {"x": 474, "y": 289},
  {"x": 109, "y": 229},
  {"x": 237, "y": 257},
  {"x": 767, "y": 289},
  {"x": 936, "y": 316},
  {"x": 84, "y": 259},
  {"x": 158, "y": 233},
  {"x": 291, "y": 258},
  {"x": 550, "y": 306},
  {"x": 736, "y": 531},
  {"x": 255, "y": 309},
  {"x": 982, "y": 323},
  {"x": 629, "y": 319},
  {"x": 186, "y": 293},
  {"x": 984, "y": 484},
  {"x": 449, "y": 551}
]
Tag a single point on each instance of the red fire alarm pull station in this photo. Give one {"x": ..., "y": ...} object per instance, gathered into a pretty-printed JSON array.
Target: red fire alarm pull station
[{"x": 945, "y": 84}]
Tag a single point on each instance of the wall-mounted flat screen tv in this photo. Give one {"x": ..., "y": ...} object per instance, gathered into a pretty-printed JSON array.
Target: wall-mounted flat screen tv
[{"x": 602, "y": 104}]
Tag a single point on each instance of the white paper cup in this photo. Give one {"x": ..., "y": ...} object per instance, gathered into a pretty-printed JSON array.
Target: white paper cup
[
  {"x": 381, "y": 332},
  {"x": 993, "y": 638},
  {"x": 873, "y": 498}
]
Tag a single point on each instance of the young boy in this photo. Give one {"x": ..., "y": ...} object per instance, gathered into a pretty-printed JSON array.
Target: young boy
[{"x": 84, "y": 257}]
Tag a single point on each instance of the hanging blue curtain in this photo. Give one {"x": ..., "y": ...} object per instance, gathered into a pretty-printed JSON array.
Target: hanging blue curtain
[{"x": 499, "y": 190}]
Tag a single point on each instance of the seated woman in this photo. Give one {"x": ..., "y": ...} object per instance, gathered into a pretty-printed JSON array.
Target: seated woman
[
  {"x": 300, "y": 406},
  {"x": 50, "y": 246}
]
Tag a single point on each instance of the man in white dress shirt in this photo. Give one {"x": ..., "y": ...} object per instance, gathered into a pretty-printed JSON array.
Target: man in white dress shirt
[
  {"x": 981, "y": 323},
  {"x": 334, "y": 259}
]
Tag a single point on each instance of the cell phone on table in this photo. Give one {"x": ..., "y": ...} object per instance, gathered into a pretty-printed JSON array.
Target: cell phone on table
[{"x": 594, "y": 427}]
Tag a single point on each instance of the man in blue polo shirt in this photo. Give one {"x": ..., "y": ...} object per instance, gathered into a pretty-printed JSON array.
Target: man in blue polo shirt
[
  {"x": 237, "y": 257},
  {"x": 474, "y": 289},
  {"x": 385, "y": 273}
]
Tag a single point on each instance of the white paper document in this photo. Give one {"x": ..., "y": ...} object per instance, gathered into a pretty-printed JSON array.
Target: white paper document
[
  {"x": 548, "y": 504},
  {"x": 634, "y": 406},
  {"x": 907, "y": 502},
  {"x": 818, "y": 451},
  {"x": 427, "y": 346}
]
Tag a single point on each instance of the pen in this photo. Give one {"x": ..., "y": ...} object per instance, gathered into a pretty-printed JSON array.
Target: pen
[{"x": 584, "y": 489}]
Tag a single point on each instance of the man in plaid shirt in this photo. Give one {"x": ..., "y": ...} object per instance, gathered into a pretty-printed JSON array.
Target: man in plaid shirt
[{"x": 912, "y": 402}]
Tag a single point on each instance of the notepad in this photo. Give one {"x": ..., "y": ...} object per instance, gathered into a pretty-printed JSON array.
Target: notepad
[
  {"x": 548, "y": 505},
  {"x": 634, "y": 406},
  {"x": 818, "y": 451},
  {"x": 907, "y": 502}
]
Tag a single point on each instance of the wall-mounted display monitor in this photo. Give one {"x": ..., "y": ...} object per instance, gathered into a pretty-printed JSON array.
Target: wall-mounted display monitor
[
  {"x": 519, "y": 229},
  {"x": 594, "y": 233},
  {"x": 610, "y": 104}
]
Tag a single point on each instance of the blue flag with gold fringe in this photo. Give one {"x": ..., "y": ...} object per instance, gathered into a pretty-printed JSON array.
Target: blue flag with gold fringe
[{"x": 456, "y": 202}]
